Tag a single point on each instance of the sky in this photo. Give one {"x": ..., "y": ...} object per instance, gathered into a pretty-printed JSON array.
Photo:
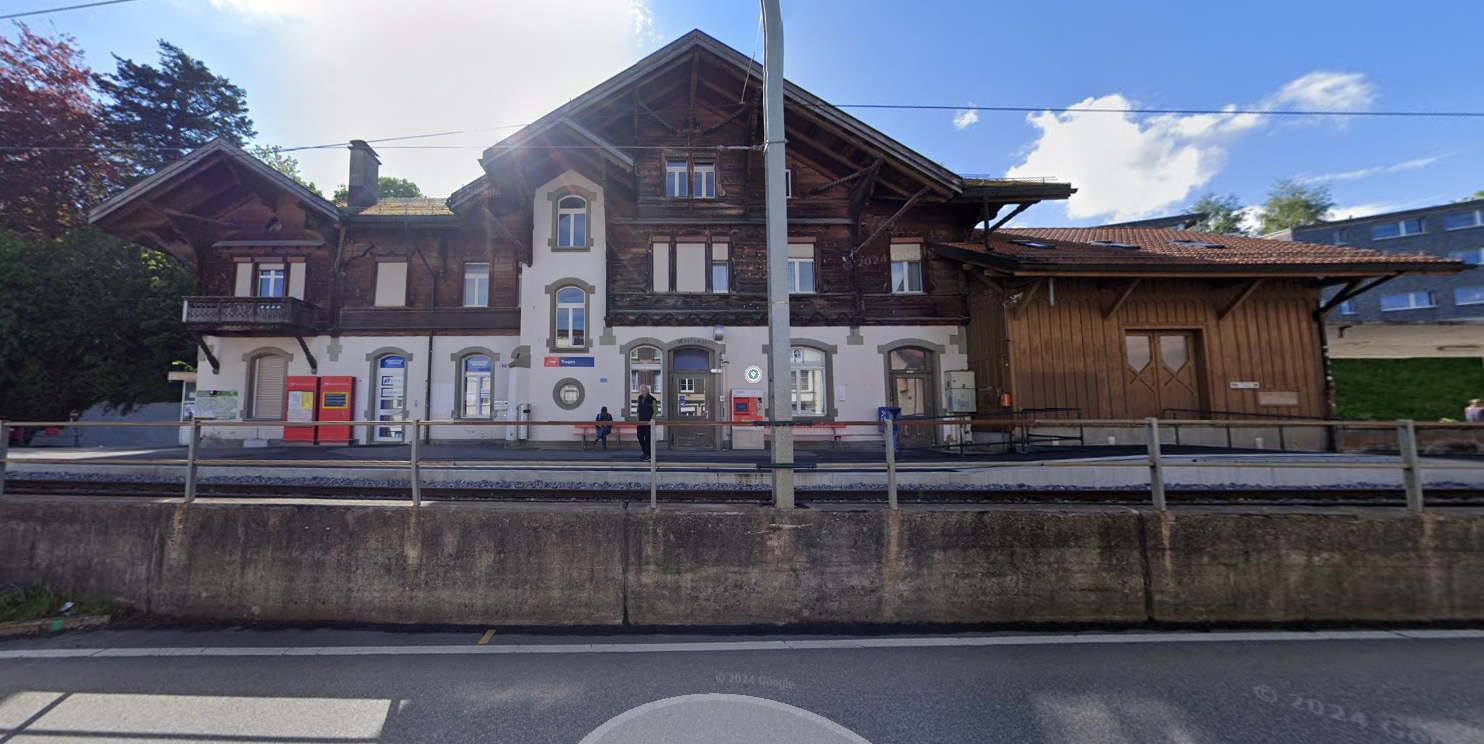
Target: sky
[{"x": 326, "y": 71}]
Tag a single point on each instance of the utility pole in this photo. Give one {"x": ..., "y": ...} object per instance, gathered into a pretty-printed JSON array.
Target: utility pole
[{"x": 780, "y": 379}]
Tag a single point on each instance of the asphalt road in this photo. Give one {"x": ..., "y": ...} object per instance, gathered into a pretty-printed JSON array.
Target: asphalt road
[{"x": 361, "y": 686}]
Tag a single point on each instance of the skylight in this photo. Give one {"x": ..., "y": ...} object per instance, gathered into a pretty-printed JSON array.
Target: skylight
[
  {"x": 1196, "y": 244},
  {"x": 1116, "y": 244},
  {"x": 1032, "y": 244}
]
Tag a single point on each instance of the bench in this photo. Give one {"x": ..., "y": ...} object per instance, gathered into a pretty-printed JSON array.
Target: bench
[
  {"x": 833, "y": 432},
  {"x": 591, "y": 430}
]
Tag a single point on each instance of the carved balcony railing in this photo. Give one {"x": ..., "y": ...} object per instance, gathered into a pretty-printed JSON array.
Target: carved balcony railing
[{"x": 248, "y": 316}]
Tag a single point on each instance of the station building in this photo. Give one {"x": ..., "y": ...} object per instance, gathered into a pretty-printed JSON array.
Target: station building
[{"x": 619, "y": 241}]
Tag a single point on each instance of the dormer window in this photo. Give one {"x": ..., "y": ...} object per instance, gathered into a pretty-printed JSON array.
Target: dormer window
[{"x": 572, "y": 222}]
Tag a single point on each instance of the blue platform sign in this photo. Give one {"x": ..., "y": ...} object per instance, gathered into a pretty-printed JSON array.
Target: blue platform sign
[{"x": 565, "y": 361}]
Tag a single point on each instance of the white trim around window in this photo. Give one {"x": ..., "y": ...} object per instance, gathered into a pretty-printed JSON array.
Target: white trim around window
[{"x": 1399, "y": 229}]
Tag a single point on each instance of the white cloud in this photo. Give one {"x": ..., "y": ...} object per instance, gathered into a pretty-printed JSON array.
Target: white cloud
[
  {"x": 1127, "y": 166},
  {"x": 965, "y": 118},
  {"x": 333, "y": 70},
  {"x": 1380, "y": 170},
  {"x": 1364, "y": 210}
]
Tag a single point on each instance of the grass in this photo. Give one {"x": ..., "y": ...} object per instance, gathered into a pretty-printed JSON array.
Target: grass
[
  {"x": 31, "y": 602},
  {"x": 1417, "y": 389}
]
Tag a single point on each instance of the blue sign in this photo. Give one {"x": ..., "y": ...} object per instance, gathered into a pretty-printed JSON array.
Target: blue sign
[
  {"x": 477, "y": 364},
  {"x": 569, "y": 361},
  {"x": 393, "y": 362}
]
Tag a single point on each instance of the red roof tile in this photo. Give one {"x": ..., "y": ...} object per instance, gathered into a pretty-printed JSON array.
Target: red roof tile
[{"x": 1072, "y": 249}]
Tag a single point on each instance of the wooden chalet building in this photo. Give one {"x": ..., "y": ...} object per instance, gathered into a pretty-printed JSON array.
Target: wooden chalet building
[{"x": 619, "y": 241}]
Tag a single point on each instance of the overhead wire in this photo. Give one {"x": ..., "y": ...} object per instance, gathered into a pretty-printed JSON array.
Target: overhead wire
[{"x": 62, "y": 9}]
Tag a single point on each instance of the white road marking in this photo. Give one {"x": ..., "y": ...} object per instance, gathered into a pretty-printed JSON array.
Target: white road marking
[{"x": 728, "y": 646}]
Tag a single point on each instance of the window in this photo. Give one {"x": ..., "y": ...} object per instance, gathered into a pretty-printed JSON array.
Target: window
[
  {"x": 571, "y": 318},
  {"x": 1472, "y": 256},
  {"x": 391, "y": 284},
  {"x": 474, "y": 382},
  {"x": 271, "y": 281},
  {"x": 1468, "y": 296},
  {"x": 1409, "y": 301},
  {"x": 391, "y": 397},
  {"x": 476, "y": 285},
  {"x": 572, "y": 222},
  {"x": 690, "y": 267},
  {"x": 705, "y": 180},
  {"x": 800, "y": 268},
  {"x": 810, "y": 388},
  {"x": 788, "y": 183},
  {"x": 568, "y": 394},
  {"x": 1462, "y": 221},
  {"x": 645, "y": 368},
  {"x": 1347, "y": 307},
  {"x": 676, "y": 176},
  {"x": 1396, "y": 229},
  {"x": 662, "y": 267},
  {"x": 721, "y": 269},
  {"x": 906, "y": 269},
  {"x": 269, "y": 373}
]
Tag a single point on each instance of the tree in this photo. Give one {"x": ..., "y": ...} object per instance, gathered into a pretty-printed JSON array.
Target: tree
[
  {"x": 387, "y": 187},
  {"x": 284, "y": 163},
  {"x": 1224, "y": 214},
  {"x": 55, "y": 163},
  {"x": 1291, "y": 203},
  {"x": 163, "y": 113}
]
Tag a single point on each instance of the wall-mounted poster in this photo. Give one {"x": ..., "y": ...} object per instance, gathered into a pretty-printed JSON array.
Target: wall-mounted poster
[{"x": 218, "y": 405}]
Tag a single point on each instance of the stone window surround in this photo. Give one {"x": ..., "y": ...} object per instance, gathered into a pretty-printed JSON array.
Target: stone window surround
[
  {"x": 251, "y": 358},
  {"x": 556, "y": 393},
  {"x": 374, "y": 380},
  {"x": 587, "y": 315},
  {"x": 458, "y": 380},
  {"x": 556, "y": 196},
  {"x": 665, "y": 347},
  {"x": 935, "y": 355},
  {"x": 831, "y": 411}
]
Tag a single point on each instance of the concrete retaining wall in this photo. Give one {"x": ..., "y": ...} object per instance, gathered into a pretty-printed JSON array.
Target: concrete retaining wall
[{"x": 713, "y": 565}]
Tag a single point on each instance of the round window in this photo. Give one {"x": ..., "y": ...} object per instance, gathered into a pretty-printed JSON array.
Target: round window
[{"x": 568, "y": 394}]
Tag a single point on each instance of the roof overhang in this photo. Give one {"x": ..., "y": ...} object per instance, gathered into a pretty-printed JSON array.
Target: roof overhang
[{"x": 1015, "y": 266}]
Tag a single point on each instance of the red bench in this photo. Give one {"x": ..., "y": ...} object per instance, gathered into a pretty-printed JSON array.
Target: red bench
[
  {"x": 591, "y": 430},
  {"x": 834, "y": 432}
]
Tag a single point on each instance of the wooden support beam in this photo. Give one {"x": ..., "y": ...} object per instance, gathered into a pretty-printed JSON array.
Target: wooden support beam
[
  {"x": 1239, "y": 299},
  {"x": 1128, "y": 289},
  {"x": 216, "y": 366},
  {"x": 892, "y": 220},
  {"x": 313, "y": 363},
  {"x": 869, "y": 170},
  {"x": 695, "y": 76},
  {"x": 672, "y": 129},
  {"x": 741, "y": 109},
  {"x": 1353, "y": 290},
  {"x": 1013, "y": 213},
  {"x": 1026, "y": 298}
]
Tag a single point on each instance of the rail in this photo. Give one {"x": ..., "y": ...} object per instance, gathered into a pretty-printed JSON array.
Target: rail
[{"x": 1407, "y": 458}]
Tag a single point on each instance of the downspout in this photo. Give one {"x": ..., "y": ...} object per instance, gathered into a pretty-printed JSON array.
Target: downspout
[
  {"x": 336, "y": 273},
  {"x": 432, "y": 329}
]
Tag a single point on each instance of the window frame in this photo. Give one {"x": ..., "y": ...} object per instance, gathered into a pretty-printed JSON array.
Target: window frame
[
  {"x": 573, "y": 327},
  {"x": 696, "y": 169},
  {"x": 793, "y": 274},
  {"x": 253, "y": 358},
  {"x": 1347, "y": 308},
  {"x": 630, "y": 410},
  {"x": 788, "y": 183},
  {"x": 684, "y": 183},
  {"x": 1401, "y": 228},
  {"x": 589, "y": 198},
  {"x": 825, "y": 380},
  {"x": 467, "y": 278},
  {"x": 462, "y": 375},
  {"x": 1479, "y": 301},
  {"x": 1478, "y": 216},
  {"x": 1477, "y": 258},
  {"x": 553, "y": 290},
  {"x": 1432, "y": 298},
  {"x": 258, "y": 271}
]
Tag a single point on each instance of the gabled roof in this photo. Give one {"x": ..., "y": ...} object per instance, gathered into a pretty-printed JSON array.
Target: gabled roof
[
  {"x": 609, "y": 150},
  {"x": 677, "y": 49},
  {"x": 1134, "y": 251},
  {"x": 219, "y": 148}
]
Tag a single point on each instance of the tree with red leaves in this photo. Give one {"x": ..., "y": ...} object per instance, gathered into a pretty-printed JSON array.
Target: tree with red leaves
[{"x": 55, "y": 159}]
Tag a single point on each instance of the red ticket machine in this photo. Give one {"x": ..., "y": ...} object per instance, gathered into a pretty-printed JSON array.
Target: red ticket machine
[
  {"x": 303, "y": 398},
  {"x": 747, "y": 404},
  {"x": 337, "y": 395}
]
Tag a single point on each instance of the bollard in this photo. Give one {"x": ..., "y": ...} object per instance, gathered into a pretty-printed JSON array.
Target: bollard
[
  {"x": 654, "y": 473},
  {"x": 1156, "y": 466},
  {"x": 4, "y": 454},
  {"x": 891, "y": 463},
  {"x": 1406, "y": 441},
  {"x": 417, "y": 486},
  {"x": 193, "y": 444}
]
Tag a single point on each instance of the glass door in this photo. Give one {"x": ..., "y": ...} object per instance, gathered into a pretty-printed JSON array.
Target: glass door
[{"x": 391, "y": 397}]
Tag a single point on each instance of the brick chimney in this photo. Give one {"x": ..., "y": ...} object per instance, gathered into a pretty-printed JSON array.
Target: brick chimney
[{"x": 364, "y": 170}]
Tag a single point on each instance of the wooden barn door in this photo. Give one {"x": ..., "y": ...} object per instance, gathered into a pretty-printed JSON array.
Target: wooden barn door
[{"x": 1162, "y": 369}]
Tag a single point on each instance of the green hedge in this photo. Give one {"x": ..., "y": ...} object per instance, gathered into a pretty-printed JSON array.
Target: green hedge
[{"x": 1417, "y": 389}]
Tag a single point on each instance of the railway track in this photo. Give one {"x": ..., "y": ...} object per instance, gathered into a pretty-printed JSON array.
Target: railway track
[{"x": 135, "y": 489}]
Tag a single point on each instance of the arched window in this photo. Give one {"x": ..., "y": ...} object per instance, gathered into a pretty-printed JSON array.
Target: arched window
[
  {"x": 646, "y": 367},
  {"x": 810, "y": 383},
  {"x": 572, "y": 222},
  {"x": 474, "y": 382},
  {"x": 571, "y": 318},
  {"x": 269, "y": 375}
]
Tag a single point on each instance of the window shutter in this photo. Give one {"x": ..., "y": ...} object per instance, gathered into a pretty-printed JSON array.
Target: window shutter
[
  {"x": 296, "y": 280},
  {"x": 662, "y": 267},
  {"x": 801, "y": 250},
  {"x": 268, "y": 382},
  {"x": 391, "y": 284},
  {"x": 906, "y": 252},
  {"x": 690, "y": 267},
  {"x": 244, "y": 280},
  {"x": 718, "y": 251}
]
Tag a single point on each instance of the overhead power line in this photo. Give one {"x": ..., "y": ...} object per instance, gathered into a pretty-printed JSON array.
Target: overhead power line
[
  {"x": 1187, "y": 112},
  {"x": 65, "y": 8}
]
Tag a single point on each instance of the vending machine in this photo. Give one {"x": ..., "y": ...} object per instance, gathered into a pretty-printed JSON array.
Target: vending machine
[
  {"x": 747, "y": 405},
  {"x": 319, "y": 399},
  {"x": 303, "y": 400}
]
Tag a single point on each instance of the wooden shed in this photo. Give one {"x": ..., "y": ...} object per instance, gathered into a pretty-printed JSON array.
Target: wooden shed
[{"x": 1126, "y": 323}]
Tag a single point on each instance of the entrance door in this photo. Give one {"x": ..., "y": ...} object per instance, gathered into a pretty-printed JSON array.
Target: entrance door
[
  {"x": 1162, "y": 373},
  {"x": 912, "y": 391},
  {"x": 690, "y": 397},
  {"x": 391, "y": 400}
]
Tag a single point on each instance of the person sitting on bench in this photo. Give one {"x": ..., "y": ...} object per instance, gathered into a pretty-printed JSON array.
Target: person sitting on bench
[{"x": 602, "y": 432}]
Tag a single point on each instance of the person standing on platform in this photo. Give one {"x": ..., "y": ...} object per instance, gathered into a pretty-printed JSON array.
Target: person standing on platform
[
  {"x": 603, "y": 431},
  {"x": 646, "y": 413},
  {"x": 1475, "y": 410}
]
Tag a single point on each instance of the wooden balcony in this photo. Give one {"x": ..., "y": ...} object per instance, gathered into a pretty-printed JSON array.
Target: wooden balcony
[
  {"x": 492, "y": 320},
  {"x": 250, "y": 316}
]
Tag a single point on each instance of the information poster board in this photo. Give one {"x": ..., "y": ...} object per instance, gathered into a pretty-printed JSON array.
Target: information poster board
[{"x": 218, "y": 405}]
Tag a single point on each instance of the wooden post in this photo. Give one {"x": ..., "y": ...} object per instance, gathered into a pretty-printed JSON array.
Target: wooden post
[
  {"x": 891, "y": 463},
  {"x": 1156, "y": 467},
  {"x": 417, "y": 486},
  {"x": 193, "y": 445},
  {"x": 1406, "y": 440}
]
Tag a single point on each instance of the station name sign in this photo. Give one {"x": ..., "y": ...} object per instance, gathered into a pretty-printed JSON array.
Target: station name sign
[{"x": 569, "y": 361}]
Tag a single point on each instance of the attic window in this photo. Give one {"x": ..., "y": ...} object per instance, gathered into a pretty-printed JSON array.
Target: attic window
[
  {"x": 1196, "y": 244},
  {"x": 1116, "y": 244},
  {"x": 1033, "y": 244}
]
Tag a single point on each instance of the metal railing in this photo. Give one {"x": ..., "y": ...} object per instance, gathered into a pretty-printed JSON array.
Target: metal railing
[{"x": 1407, "y": 459}]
